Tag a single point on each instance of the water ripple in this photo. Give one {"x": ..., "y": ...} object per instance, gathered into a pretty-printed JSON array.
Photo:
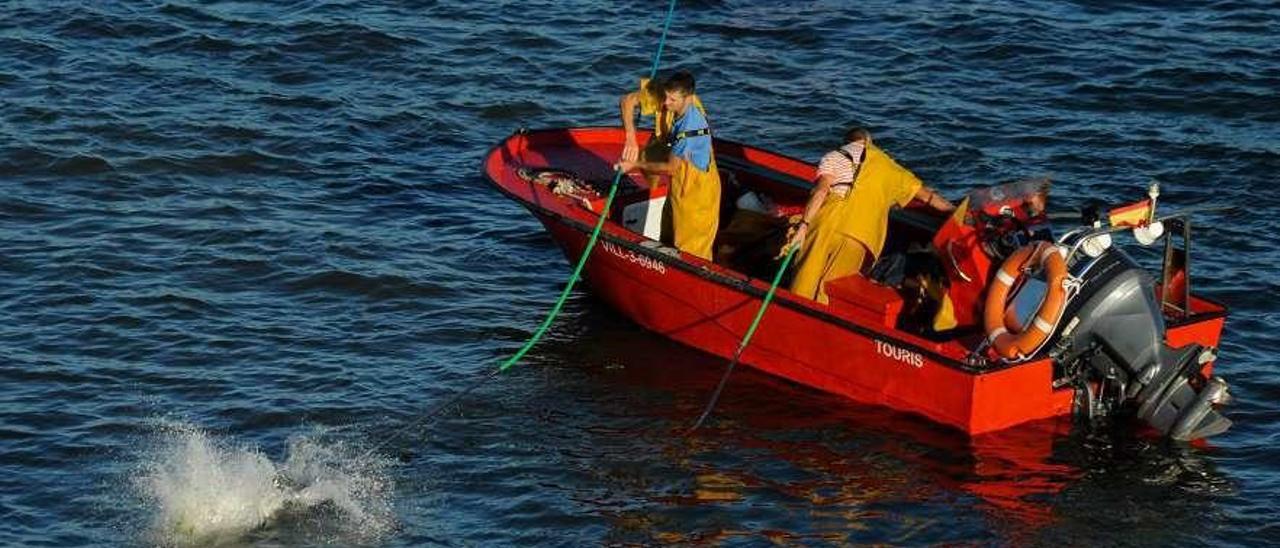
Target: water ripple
[{"x": 260, "y": 217}]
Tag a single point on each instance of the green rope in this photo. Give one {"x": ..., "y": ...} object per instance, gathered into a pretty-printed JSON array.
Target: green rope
[
  {"x": 595, "y": 234},
  {"x": 768, "y": 297},
  {"x": 573, "y": 279}
]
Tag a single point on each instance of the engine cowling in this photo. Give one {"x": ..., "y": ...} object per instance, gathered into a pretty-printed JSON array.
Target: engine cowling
[{"x": 1111, "y": 341}]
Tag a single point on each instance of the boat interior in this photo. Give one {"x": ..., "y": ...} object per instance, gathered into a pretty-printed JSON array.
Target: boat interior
[
  {"x": 758, "y": 205},
  {"x": 760, "y": 194}
]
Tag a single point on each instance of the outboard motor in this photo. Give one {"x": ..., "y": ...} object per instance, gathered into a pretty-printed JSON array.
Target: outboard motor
[
  {"x": 1105, "y": 323},
  {"x": 1110, "y": 342}
]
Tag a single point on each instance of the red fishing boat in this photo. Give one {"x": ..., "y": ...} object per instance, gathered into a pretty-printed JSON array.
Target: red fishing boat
[{"x": 1040, "y": 326}]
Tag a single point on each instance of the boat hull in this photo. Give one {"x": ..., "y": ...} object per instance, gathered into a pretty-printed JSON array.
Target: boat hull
[
  {"x": 831, "y": 354},
  {"x": 844, "y": 350}
]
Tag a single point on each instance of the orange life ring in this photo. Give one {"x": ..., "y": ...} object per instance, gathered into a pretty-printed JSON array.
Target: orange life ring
[{"x": 1007, "y": 337}]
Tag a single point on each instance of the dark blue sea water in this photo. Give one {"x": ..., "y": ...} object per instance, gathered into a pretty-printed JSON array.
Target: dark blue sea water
[{"x": 242, "y": 244}]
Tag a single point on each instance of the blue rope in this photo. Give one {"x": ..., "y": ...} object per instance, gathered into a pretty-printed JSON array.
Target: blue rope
[{"x": 662, "y": 40}]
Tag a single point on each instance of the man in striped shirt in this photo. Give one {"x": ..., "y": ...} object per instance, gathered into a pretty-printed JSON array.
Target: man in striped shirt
[
  {"x": 847, "y": 217},
  {"x": 841, "y": 165}
]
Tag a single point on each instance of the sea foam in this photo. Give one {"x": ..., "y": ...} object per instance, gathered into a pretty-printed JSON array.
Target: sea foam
[{"x": 204, "y": 490}]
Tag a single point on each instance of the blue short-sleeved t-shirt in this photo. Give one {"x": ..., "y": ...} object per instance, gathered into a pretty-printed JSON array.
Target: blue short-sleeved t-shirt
[{"x": 695, "y": 149}]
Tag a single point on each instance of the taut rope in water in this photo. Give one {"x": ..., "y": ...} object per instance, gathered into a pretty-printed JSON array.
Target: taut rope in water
[
  {"x": 773, "y": 288},
  {"x": 573, "y": 278}
]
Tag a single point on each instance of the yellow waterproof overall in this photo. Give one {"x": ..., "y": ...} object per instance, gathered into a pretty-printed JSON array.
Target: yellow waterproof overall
[
  {"x": 848, "y": 230},
  {"x": 693, "y": 201}
]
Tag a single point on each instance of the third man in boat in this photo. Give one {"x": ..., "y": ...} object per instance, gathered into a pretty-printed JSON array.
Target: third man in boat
[
  {"x": 847, "y": 217},
  {"x": 681, "y": 147}
]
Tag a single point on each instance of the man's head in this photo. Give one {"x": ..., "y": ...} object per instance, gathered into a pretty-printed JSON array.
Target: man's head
[
  {"x": 857, "y": 134},
  {"x": 678, "y": 90}
]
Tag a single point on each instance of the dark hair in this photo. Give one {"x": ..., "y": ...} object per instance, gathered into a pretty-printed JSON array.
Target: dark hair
[
  {"x": 856, "y": 133},
  {"x": 681, "y": 81}
]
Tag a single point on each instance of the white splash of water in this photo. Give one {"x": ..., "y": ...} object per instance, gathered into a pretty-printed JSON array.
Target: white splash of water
[{"x": 202, "y": 490}]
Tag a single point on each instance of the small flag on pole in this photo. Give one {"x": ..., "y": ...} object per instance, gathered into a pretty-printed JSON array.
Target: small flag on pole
[{"x": 1135, "y": 214}]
